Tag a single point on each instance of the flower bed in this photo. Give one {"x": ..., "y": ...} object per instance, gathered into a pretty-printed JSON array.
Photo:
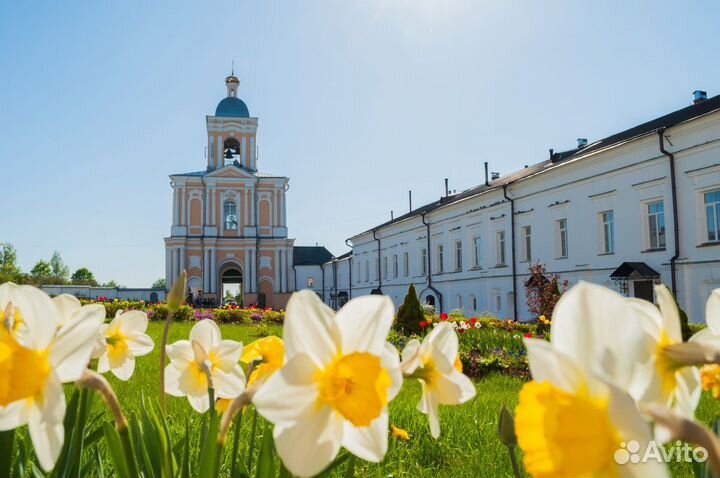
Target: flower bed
[{"x": 227, "y": 314}]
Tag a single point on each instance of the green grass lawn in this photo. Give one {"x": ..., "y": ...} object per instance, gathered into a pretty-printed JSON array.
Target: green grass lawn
[{"x": 468, "y": 446}]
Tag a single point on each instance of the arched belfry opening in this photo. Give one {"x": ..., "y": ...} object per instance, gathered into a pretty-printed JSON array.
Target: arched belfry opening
[
  {"x": 231, "y": 151},
  {"x": 231, "y": 285}
]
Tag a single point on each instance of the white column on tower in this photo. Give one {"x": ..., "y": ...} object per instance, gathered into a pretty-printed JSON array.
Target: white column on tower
[
  {"x": 253, "y": 159},
  {"x": 243, "y": 151},
  {"x": 219, "y": 160},
  {"x": 168, "y": 267}
]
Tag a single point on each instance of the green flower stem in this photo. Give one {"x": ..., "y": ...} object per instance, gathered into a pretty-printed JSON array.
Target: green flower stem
[
  {"x": 251, "y": 446},
  {"x": 236, "y": 444},
  {"x": 163, "y": 360},
  {"x": 513, "y": 460},
  {"x": 128, "y": 451}
]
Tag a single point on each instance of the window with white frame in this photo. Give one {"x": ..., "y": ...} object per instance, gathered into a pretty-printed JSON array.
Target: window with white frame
[
  {"x": 377, "y": 269},
  {"x": 473, "y": 302},
  {"x": 459, "y": 301},
  {"x": 656, "y": 224},
  {"x": 498, "y": 303},
  {"x": 395, "y": 266},
  {"x": 440, "y": 258},
  {"x": 526, "y": 237},
  {"x": 230, "y": 215},
  {"x": 423, "y": 261},
  {"x": 500, "y": 244},
  {"x": 357, "y": 266},
  {"x": 607, "y": 224},
  {"x": 712, "y": 215},
  {"x": 406, "y": 264},
  {"x": 367, "y": 271},
  {"x": 385, "y": 267},
  {"x": 562, "y": 238},
  {"x": 477, "y": 251},
  {"x": 458, "y": 256}
]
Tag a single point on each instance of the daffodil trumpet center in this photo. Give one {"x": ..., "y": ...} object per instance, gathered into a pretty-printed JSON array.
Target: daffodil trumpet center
[
  {"x": 565, "y": 435},
  {"x": 355, "y": 386},
  {"x": 24, "y": 371},
  {"x": 666, "y": 365}
]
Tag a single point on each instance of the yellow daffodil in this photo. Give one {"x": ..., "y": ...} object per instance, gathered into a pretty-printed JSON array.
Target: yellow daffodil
[
  {"x": 339, "y": 375},
  {"x": 569, "y": 423},
  {"x": 399, "y": 433},
  {"x": 125, "y": 339},
  {"x": 35, "y": 363},
  {"x": 206, "y": 359},
  {"x": 266, "y": 355},
  {"x": 435, "y": 362},
  {"x": 710, "y": 375}
]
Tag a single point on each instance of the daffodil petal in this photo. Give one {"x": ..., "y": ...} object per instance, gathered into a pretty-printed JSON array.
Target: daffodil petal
[
  {"x": 228, "y": 354},
  {"x": 67, "y": 305},
  {"x": 444, "y": 339},
  {"x": 549, "y": 365},
  {"x": 430, "y": 406},
  {"x": 38, "y": 311},
  {"x": 70, "y": 351},
  {"x": 140, "y": 344},
  {"x": 133, "y": 321},
  {"x": 688, "y": 391},
  {"x": 47, "y": 438},
  {"x": 200, "y": 403},
  {"x": 310, "y": 328},
  {"x": 453, "y": 389},
  {"x": 294, "y": 380},
  {"x": 103, "y": 363},
  {"x": 669, "y": 312},
  {"x": 364, "y": 324},
  {"x": 368, "y": 443},
  {"x": 391, "y": 362},
  {"x": 125, "y": 370},
  {"x": 181, "y": 353},
  {"x": 320, "y": 435},
  {"x": 172, "y": 381},
  {"x": 206, "y": 333},
  {"x": 712, "y": 311},
  {"x": 411, "y": 358},
  {"x": 229, "y": 384},
  {"x": 15, "y": 414}
]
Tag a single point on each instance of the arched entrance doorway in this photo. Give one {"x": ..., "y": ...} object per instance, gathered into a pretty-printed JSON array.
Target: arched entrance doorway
[{"x": 231, "y": 285}]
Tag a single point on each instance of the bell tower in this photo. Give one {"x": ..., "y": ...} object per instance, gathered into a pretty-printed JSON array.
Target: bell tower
[{"x": 232, "y": 132}]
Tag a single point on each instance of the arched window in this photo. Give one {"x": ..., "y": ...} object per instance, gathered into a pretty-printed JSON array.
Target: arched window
[
  {"x": 230, "y": 215},
  {"x": 231, "y": 151}
]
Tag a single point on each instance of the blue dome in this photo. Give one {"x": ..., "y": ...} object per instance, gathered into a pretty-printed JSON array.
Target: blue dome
[{"x": 233, "y": 108}]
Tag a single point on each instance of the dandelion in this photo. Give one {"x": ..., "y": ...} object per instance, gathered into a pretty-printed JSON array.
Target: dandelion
[
  {"x": 399, "y": 433},
  {"x": 267, "y": 355},
  {"x": 203, "y": 361},
  {"x": 35, "y": 364},
  {"x": 340, "y": 373},
  {"x": 124, "y": 339},
  {"x": 434, "y": 363}
]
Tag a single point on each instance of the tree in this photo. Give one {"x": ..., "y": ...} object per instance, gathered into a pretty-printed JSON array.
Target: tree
[
  {"x": 60, "y": 272},
  {"x": 160, "y": 284},
  {"x": 542, "y": 292},
  {"x": 83, "y": 276},
  {"x": 9, "y": 270},
  {"x": 41, "y": 272},
  {"x": 111, "y": 283},
  {"x": 410, "y": 313}
]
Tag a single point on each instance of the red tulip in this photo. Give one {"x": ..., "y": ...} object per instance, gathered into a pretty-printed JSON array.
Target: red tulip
[
  {"x": 423, "y": 324},
  {"x": 443, "y": 316}
]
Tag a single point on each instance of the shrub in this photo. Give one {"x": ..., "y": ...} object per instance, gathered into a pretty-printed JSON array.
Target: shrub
[
  {"x": 542, "y": 292},
  {"x": 160, "y": 312},
  {"x": 410, "y": 313}
]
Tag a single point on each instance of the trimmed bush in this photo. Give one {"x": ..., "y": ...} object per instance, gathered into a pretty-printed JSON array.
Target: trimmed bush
[{"x": 410, "y": 313}]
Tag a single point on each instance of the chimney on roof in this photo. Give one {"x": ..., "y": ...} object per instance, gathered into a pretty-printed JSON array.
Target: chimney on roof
[
  {"x": 447, "y": 191},
  {"x": 699, "y": 96},
  {"x": 487, "y": 181},
  {"x": 494, "y": 176},
  {"x": 582, "y": 142}
]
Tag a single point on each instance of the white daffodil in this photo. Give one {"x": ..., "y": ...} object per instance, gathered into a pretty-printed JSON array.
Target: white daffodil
[
  {"x": 203, "y": 361},
  {"x": 569, "y": 423},
  {"x": 70, "y": 308},
  {"x": 711, "y": 333},
  {"x": 35, "y": 363},
  {"x": 662, "y": 379},
  {"x": 333, "y": 391},
  {"x": 437, "y": 365},
  {"x": 124, "y": 339}
]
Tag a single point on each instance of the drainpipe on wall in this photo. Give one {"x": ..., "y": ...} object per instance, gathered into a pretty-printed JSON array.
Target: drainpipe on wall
[
  {"x": 512, "y": 250},
  {"x": 350, "y": 261},
  {"x": 322, "y": 273},
  {"x": 676, "y": 225},
  {"x": 429, "y": 264},
  {"x": 378, "y": 263},
  {"x": 335, "y": 282},
  {"x": 295, "y": 276}
]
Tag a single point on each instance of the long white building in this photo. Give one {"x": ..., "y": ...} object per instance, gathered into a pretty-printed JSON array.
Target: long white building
[{"x": 636, "y": 208}]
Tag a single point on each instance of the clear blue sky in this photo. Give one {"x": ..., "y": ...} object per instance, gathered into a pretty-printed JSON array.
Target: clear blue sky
[{"x": 358, "y": 102}]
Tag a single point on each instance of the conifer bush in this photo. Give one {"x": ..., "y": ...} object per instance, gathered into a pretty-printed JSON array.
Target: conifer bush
[{"x": 410, "y": 313}]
